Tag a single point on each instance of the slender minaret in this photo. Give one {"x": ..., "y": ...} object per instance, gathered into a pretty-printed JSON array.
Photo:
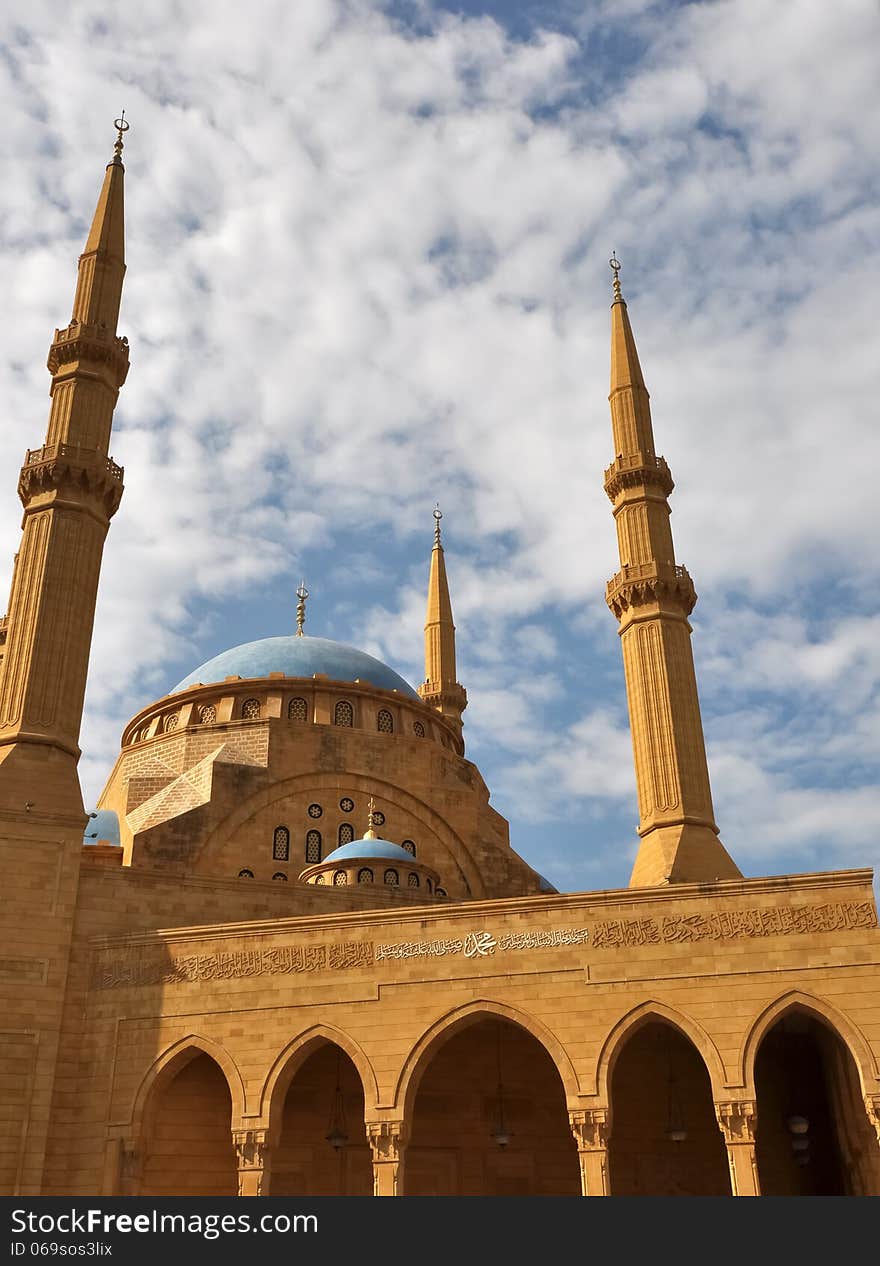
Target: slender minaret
[
  {"x": 652, "y": 597},
  {"x": 441, "y": 689},
  {"x": 70, "y": 488}
]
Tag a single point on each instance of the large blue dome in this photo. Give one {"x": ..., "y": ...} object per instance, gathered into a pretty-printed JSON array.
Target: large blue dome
[
  {"x": 297, "y": 657},
  {"x": 370, "y": 850}
]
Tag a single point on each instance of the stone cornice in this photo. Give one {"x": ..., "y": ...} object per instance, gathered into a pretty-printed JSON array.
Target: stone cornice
[
  {"x": 74, "y": 471},
  {"x": 649, "y": 584},
  {"x": 635, "y": 471},
  {"x": 90, "y": 343}
]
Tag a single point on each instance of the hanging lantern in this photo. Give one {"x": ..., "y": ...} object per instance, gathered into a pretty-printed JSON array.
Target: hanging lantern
[{"x": 337, "y": 1135}]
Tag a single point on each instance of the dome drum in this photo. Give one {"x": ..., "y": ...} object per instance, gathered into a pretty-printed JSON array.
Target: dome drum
[{"x": 375, "y": 862}]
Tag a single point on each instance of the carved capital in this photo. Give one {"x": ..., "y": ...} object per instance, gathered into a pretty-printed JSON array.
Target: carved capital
[
  {"x": 590, "y": 1128},
  {"x": 649, "y": 584},
  {"x": 92, "y": 343},
  {"x": 73, "y": 472},
  {"x": 251, "y": 1147},
  {"x": 387, "y": 1140},
  {"x": 736, "y": 1120},
  {"x": 872, "y": 1107}
]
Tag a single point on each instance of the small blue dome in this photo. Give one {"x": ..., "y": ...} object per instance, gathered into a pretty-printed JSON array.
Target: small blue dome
[
  {"x": 374, "y": 850},
  {"x": 103, "y": 825},
  {"x": 297, "y": 657}
]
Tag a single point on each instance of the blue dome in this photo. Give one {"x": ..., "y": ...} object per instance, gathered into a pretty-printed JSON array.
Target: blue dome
[
  {"x": 374, "y": 850},
  {"x": 103, "y": 824},
  {"x": 297, "y": 657}
]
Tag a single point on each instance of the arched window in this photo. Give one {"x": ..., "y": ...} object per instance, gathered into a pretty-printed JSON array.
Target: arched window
[
  {"x": 343, "y": 714},
  {"x": 439, "y": 892},
  {"x": 313, "y": 847},
  {"x": 297, "y": 710},
  {"x": 170, "y": 723},
  {"x": 412, "y": 880},
  {"x": 418, "y": 729},
  {"x": 320, "y": 880},
  {"x": 250, "y": 709},
  {"x": 340, "y": 879},
  {"x": 346, "y": 833},
  {"x": 281, "y": 844},
  {"x": 392, "y": 877},
  {"x": 410, "y": 847},
  {"x": 245, "y": 874},
  {"x": 385, "y": 722},
  {"x": 365, "y": 875},
  {"x": 207, "y": 714},
  {"x": 279, "y": 874}
]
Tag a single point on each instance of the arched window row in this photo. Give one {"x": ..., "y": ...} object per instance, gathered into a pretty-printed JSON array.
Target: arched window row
[{"x": 299, "y": 711}]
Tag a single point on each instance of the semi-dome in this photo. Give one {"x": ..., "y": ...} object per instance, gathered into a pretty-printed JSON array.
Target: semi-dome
[
  {"x": 297, "y": 656},
  {"x": 370, "y": 850}
]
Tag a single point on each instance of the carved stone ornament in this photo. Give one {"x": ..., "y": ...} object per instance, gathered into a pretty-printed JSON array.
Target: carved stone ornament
[
  {"x": 130, "y": 1161},
  {"x": 590, "y": 1128},
  {"x": 92, "y": 343},
  {"x": 737, "y": 1120},
  {"x": 650, "y": 583},
  {"x": 387, "y": 1140},
  {"x": 872, "y": 1107},
  {"x": 637, "y": 471},
  {"x": 250, "y": 1146},
  {"x": 72, "y": 471}
]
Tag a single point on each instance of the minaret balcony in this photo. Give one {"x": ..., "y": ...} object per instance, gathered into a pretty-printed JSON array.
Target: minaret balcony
[
  {"x": 637, "y": 470},
  {"x": 93, "y": 343},
  {"x": 653, "y": 583},
  {"x": 76, "y": 470}
]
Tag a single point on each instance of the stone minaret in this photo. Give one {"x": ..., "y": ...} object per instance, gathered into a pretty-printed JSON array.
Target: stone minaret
[
  {"x": 652, "y": 597},
  {"x": 441, "y": 689},
  {"x": 69, "y": 488}
]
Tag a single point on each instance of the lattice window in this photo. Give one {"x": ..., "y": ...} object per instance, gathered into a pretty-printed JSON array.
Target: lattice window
[
  {"x": 250, "y": 709},
  {"x": 279, "y": 874},
  {"x": 245, "y": 874},
  {"x": 410, "y": 847},
  {"x": 365, "y": 875},
  {"x": 313, "y": 847},
  {"x": 346, "y": 804},
  {"x": 378, "y": 817},
  {"x": 412, "y": 880},
  {"x": 340, "y": 879},
  {"x": 343, "y": 714},
  {"x": 385, "y": 722},
  {"x": 439, "y": 892},
  {"x": 392, "y": 877},
  {"x": 346, "y": 833},
  {"x": 314, "y": 810},
  {"x": 320, "y": 879},
  {"x": 207, "y": 714},
  {"x": 281, "y": 844},
  {"x": 297, "y": 710},
  {"x": 170, "y": 723},
  {"x": 418, "y": 729}
]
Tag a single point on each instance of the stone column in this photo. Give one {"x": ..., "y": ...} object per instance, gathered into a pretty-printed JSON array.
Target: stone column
[
  {"x": 387, "y": 1141},
  {"x": 253, "y": 1158},
  {"x": 590, "y": 1129},
  {"x": 737, "y": 1120}
]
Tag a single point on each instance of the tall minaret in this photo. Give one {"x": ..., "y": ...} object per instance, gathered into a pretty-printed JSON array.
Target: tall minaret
[
  {"x": 652, "y": 597},
  {"x": 440, "y": 688},
  {"x": 70, "y": 488}
]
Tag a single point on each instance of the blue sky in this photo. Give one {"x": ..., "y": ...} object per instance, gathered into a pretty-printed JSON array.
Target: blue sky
[{"x": 367, "y": 271}]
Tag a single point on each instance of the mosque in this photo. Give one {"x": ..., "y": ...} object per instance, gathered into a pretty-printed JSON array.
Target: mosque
[{"x": 291, "y": 951}]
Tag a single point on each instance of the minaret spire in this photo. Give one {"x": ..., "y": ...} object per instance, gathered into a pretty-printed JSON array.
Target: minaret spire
[
  {"x": 652, "y": 596},
  {"x": 440, "y": 688},
  {"x": 70, "y": 488}
]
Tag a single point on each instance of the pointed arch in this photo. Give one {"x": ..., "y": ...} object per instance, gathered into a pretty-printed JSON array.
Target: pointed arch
[
  {"x": 822, "y": 1010},
  {"x": 165, "y": 1068},
  {"x": 643, "y": 1014},
  {"x": 291, "y": 1058},
  {"x": 463, "y": 1016}
]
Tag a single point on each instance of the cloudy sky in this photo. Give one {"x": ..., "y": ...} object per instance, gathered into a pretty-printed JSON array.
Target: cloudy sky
[{"x": 367, "y": 271}]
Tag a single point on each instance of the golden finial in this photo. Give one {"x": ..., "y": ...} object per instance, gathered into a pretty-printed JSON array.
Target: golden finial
[
  {"x": 121, "y": 128},
  {"x": 437, "y": 517},
  {"x": 370, "y": 833},
  {"x": 615, "y": 268},
  {"x": 302, "y": 593}
]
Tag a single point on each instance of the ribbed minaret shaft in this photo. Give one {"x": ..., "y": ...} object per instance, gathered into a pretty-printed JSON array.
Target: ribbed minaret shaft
[
  {"x": 652, "y": 597},
  {"x": 441, "y": 688},
  {"x": 69, "y": 489}
]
